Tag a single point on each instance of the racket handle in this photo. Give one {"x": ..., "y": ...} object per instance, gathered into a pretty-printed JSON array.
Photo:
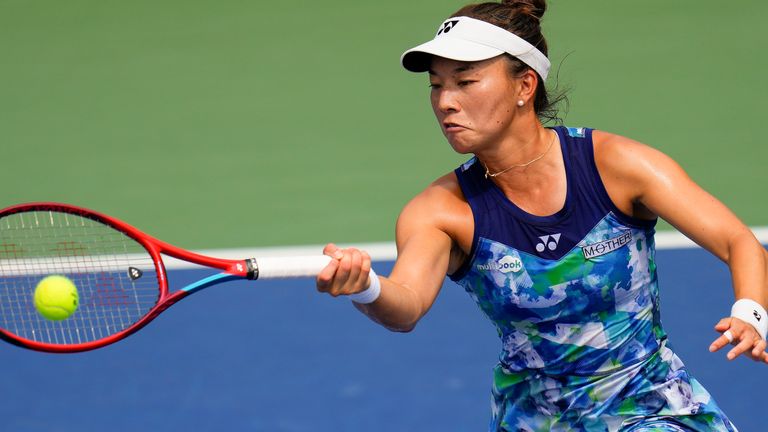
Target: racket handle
[{"x": 288, "y": 267}]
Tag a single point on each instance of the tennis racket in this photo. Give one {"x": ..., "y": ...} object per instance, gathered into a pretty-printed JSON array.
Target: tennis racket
[{"x": 117, "y": 269}]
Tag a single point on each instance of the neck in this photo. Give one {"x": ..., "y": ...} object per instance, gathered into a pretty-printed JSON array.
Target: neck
[
  {"x": 520, "y": 149},
  {"x": 540, "y": 187}
]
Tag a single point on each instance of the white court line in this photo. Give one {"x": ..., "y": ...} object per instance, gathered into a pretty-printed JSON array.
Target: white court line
[
  {"x": 676, "y": 240},
  {"x": 386, "y": 251}
]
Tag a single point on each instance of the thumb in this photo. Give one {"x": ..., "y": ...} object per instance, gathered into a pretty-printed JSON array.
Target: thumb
[
  {"x": 333, "y": 251},
  {"x": 723, "y": 325}
]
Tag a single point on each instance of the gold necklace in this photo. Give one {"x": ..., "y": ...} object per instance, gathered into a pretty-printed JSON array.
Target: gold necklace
[{"x": 522, "y": 165}]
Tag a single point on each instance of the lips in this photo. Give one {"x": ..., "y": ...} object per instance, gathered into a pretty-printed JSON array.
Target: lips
[{"x": 452, "y": 127}]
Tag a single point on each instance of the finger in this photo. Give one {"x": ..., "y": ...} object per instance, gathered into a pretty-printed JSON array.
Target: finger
[
  {"x": 759, "y": 350},
  {"x": 724, "y": 339},
  {"x": 723, "y": 325},
  {"x": 345, "y": 261},
  {"x": 332, "y": 251},
  {"x": 329, "y": 249},
  {"x": 363, "y": 280},
  {"x": 745, "y": 342},
  {"x": 350, "y": 264},
  {"x": 365, "y": 272},
  {"x": 365, "y": 269},
  {"x": 325, "y": 277},
  {"x": 357, "y": 261},
  {"x": 728, "y": 334},
  {"x": 342, "y": 274}
]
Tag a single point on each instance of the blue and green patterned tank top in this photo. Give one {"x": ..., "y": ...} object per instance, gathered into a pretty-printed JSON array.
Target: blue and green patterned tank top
[
  {"x": 573, "y": 293},
  {"x": 575, "y": 299}
]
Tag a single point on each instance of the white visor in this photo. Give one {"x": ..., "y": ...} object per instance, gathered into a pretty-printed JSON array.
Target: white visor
[{"x": 468, "y": 39}]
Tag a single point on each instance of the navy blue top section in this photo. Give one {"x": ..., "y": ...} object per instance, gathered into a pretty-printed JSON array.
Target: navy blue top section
[{"x": 549, "y": 237}]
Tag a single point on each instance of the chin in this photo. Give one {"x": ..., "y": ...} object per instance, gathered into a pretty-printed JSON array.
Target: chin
[
  {"x": 463, "y": 151},
  {"x": 461, "y": 147}
]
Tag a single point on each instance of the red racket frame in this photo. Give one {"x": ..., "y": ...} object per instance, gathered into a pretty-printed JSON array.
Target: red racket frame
[{"x": 155, "y": 247}]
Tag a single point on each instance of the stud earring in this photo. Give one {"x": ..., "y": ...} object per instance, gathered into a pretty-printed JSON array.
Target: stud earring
[{"x": 520, "y": 103}]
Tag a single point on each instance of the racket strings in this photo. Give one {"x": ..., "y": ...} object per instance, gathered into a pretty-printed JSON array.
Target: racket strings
[{"x": 101, "y": 261}]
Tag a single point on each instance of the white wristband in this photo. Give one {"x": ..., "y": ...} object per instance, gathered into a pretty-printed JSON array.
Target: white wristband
[
  {"x": 753, "y": 313},
  {"x": 371, "y": 293}
]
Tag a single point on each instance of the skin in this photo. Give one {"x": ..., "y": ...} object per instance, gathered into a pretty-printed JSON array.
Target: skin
[{"x": 475, "y": 104}]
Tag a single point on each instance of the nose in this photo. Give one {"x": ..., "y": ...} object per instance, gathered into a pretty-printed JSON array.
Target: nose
[{"x": 445, "y": 101}]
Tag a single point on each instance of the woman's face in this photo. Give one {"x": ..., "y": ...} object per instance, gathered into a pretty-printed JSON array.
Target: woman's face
[{"x": 474, "y": 102}]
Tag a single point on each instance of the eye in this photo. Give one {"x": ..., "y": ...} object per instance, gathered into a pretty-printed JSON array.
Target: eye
[
  {"x": 464, "y": 83},
  {"x": 434, "y": 86}
]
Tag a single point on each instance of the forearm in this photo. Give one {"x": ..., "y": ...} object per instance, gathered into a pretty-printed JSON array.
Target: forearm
[
  {"x": 748, "y": 262},
  {"x": 423, "y": 257},
  {"x": 398, "y": 307}
]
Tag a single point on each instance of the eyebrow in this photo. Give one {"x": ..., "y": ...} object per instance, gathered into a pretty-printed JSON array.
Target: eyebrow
[{"x": 460, "y": 69}]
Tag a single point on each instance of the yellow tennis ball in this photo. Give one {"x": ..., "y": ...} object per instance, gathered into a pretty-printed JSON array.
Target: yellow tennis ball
[{"x": 56, "y": 297}]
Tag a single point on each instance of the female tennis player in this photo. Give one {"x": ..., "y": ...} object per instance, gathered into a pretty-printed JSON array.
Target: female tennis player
[{"x": 550, "y": 231}]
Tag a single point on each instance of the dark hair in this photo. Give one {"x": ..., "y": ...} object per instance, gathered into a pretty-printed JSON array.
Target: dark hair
[{"x": 523, "y": 18}]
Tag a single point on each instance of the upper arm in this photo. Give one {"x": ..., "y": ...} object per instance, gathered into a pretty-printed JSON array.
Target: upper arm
[
  {"x": 425, "y": 238},
  {"x": 640, "y": 177}
]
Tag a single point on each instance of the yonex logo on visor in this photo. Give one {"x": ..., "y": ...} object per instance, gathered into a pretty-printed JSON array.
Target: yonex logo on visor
[
  {"x": 469, "y": 39},
  {"x": 447, "y": 26}
]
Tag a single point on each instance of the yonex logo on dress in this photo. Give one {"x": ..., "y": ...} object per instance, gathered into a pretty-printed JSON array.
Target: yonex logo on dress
[
  {"x": 604, "y": 247},
  {"x": 548, "y": 242},
  {"x": 505, "y": 265},
  {"x": 447, "y": 26}
]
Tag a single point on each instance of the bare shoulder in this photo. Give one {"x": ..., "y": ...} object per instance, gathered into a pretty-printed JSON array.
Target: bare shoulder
[
  {"x": 444, "y": 190},
  {"x": 618, "y": 156},
  {"x": 439, "y": 204},
  {"x": 616, "y": 148},
  {"x": 440, "y": 209},
  {"x": 619, "y": 153},
  {"x": 630, "y": 169}
]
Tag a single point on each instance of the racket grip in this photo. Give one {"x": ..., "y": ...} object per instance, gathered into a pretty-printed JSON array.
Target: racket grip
[{"x": 288, "y": 267}]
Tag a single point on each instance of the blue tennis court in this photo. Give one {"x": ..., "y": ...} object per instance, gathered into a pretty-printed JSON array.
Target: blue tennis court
[{"x": 278, "y": 357}]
